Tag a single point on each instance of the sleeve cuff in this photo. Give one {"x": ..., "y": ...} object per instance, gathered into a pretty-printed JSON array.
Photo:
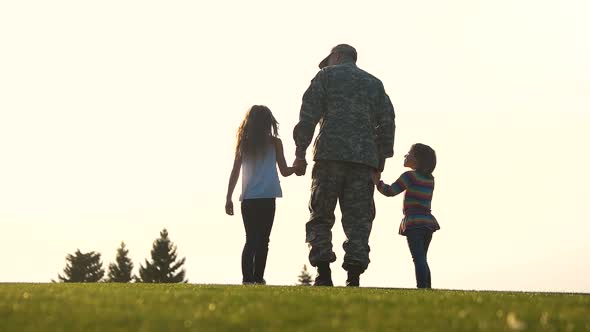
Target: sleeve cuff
[
  {"x": 300, "y": 153},
  {"x": 381, "y": 164},
  {"x": 380, "y": 185}
]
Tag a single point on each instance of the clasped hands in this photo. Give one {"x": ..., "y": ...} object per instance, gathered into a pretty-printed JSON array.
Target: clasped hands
[{"x": 299, "y": 165}]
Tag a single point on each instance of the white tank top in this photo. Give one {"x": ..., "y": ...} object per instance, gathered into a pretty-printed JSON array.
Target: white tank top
[{"x": 259, "y": 176}]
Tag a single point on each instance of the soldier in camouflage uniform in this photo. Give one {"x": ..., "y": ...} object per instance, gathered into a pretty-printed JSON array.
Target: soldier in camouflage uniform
[{"x": 356, "y": 135}]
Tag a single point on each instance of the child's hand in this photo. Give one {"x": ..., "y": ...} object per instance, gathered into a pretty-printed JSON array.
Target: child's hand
[
  {"x": 229, "y": 207},
  {"x": 300, "y": 165},
  {"x": 376, "y": 177},
  {"x": 290, "y": 171}
]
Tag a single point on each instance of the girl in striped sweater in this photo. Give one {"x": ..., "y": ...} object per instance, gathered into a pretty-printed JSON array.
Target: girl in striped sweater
[{"x": 418, "y": 223}]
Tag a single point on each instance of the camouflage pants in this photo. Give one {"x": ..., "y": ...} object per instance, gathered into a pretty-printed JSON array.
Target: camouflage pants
[{"x": 351, "y": 185}]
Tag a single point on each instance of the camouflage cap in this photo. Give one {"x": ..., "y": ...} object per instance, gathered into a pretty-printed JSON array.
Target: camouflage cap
[{"x": 340, "y": 48}]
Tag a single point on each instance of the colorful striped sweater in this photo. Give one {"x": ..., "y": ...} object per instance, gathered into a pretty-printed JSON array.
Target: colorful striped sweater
[{"x": 417, "y": 200}]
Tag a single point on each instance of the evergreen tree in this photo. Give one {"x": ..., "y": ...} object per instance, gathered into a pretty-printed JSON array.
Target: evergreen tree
[
  {"x": 304, "y": 278},
  {"x": 82, "y": 267},
  {"x": 162, "y": 268},
  {"x": 121, "y": 271}
]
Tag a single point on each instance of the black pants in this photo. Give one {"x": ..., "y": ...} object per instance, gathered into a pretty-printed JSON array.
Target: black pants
[
  {"x": 258, "y": 216},
  {"x": 418, "y": 241}
]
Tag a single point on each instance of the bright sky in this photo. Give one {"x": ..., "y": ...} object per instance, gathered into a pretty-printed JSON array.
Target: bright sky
[{"x": 118, "y": 118}]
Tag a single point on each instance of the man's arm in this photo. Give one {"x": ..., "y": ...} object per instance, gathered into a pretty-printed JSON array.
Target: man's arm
[
  {"x": 385, "y": 130},
  {"x": 312, "y": 108}
]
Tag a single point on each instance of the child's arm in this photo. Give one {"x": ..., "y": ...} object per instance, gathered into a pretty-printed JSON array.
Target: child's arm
[
  {"x": 285, "y": 170},
  {"x": 233, "y": 179},
  {"x": 395, "y": 188}
]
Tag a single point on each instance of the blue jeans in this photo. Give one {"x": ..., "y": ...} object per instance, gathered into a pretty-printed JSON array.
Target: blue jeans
[{"x": 418, "y": 242}]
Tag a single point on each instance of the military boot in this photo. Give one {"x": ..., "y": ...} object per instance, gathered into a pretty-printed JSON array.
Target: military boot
[
  {"x": 324, "y": 276},
  {"x": 354, "y": 275}
]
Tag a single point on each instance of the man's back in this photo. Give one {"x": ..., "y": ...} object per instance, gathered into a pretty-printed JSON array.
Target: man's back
[{"x": 355, "y": 115}]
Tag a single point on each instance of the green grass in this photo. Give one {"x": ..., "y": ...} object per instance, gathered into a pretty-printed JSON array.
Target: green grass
[{"x": 185, "y": 307}]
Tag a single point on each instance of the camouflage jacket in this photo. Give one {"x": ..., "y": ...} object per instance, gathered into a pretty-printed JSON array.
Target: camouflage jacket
[{"x": 356, "y": 117}]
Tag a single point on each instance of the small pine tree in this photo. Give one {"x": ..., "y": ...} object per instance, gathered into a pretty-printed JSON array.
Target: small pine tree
[
  {"x": 304, "y": 278},
  {"x": 121, "y": 271},
  {"x": 162, "y": 268},
  {"x": 82, "y": 267}
]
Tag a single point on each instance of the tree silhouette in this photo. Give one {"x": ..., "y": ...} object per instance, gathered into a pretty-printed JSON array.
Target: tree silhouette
[
  {"x": 163, "y": 267},
  {"x": 304, "y": 278},
  {"x": 121, "y": 271},
  {"x": 82, "y": 267}
]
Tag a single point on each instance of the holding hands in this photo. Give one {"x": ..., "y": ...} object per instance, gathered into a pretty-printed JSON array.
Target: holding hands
[{"x": 300, "y": 165}]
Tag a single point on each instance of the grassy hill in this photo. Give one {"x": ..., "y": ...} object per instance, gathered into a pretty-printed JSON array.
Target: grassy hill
[{"x": 186, "y": 307}]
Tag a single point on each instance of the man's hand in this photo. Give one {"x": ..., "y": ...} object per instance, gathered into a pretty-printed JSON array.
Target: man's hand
[
  {"x": 300, "y": 165},
  {"x": 229, "y": 207},
  {"x": 376, "y": 177}
]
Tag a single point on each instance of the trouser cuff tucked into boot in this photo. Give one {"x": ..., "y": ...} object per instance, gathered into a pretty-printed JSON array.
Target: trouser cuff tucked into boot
[{"x": 324, "y": 276}]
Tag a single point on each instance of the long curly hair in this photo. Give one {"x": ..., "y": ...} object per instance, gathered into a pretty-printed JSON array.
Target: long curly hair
[{"x": 256, "y": 132}]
